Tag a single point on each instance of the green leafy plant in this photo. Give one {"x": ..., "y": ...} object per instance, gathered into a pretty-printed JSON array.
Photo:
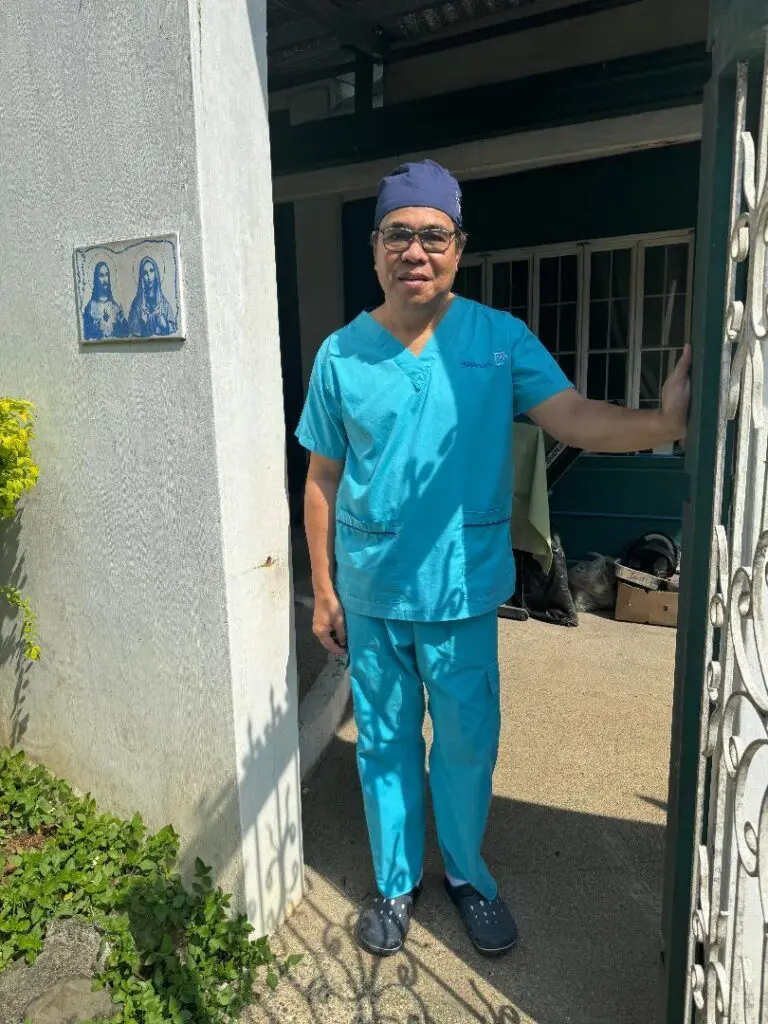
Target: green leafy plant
[
  {"x": 173, "y": 955},
  {"x": 18, "y": 474},
  {"x": 29, "y": 635}
]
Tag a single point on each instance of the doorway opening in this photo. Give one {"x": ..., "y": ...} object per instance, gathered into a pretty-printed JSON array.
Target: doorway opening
[{"x": 576, "y": 833}]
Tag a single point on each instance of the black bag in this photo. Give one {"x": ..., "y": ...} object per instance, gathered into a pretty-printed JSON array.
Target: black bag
[{"x": 545, "y": 596}]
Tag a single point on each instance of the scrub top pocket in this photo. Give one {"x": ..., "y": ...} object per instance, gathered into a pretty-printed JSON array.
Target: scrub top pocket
[
  {"x": 360, "y": 544},
  {"x": 487, "y": 544}
]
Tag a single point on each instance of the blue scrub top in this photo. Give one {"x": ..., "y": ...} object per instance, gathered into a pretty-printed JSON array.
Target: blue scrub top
[{"x": 424, "y": 502}]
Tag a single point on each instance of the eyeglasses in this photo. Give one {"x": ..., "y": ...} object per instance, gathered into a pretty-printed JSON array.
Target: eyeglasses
[{"x": 431, "y": 240}]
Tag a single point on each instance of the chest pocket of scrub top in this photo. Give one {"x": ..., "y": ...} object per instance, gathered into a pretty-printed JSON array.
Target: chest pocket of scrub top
[{"x": 363, "y": 545}]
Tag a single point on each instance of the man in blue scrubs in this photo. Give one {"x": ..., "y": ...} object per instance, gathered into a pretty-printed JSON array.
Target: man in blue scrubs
[{"x": 409, "y": 496}]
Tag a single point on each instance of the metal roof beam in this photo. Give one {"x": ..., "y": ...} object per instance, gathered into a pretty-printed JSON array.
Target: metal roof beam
[{"x": 346, "y": 25}]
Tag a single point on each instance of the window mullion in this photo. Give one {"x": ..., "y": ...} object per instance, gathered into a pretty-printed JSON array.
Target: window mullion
[
  {"x": 583, "y": 334},
  {"x": 535, "y": 298},
  {"x": 637, "y": 272},
  {"x": 689, "y": 292}
]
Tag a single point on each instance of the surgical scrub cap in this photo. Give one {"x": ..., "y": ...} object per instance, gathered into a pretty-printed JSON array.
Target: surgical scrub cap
[{"x": 419, "y": 184}]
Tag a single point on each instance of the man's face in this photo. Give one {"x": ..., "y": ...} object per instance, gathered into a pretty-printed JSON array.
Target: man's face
[
  {"x": 415, "y": 276},
  {"x": 103, "y": 279}
]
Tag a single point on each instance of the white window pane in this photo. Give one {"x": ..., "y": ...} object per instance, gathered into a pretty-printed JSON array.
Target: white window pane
[
  {"x": 650, "y": 378},
  {"x": 509, "y": 287},
  {"x": 567, "y": 361},
  {"x": 549, "y": 279},
  {"x": 616, "y": 385},
  {"x": 519, "y": 279},
  {"x": 609, "y": 324},
  {"x": 567, "y": 331},
  {"x": 600, "y": 275},
  {"x": 548, "y": 326},
  {"x": 653, "y": 321},
  {"x": 618, "y": 335},
  {"x": 558, "y": 309},
  {"x": 655, "y": 270},
  {"x": 597, "y": 375},
  {"x": 621, "y": 265},
  {"x": 599, "y": 317},
  {"x": 469, "y": 282},
  {"x": 676, "y": 277},
  {"x": 664, "y": 295},
  {"x": 501, "y": 286},
  {"x": 676, "y": 337},
  {"x": 569, "y": 278}
]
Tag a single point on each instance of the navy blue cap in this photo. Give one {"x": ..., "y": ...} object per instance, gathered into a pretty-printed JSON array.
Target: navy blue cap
[{"x": 419, "y": 184}]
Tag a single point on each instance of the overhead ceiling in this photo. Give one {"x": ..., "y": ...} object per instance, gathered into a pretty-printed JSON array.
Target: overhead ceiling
[{"x": 308, "y": 39}]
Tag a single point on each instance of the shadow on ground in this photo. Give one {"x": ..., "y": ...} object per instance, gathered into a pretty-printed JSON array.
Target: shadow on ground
[{"x": 586, "y": 890}]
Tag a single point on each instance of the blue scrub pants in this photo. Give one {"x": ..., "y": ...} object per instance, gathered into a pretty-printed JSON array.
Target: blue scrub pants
[{"x": 391, "y": 662}]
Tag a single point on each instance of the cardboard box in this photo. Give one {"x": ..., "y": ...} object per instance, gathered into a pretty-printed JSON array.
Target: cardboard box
[{"x": 650, "y": 607}]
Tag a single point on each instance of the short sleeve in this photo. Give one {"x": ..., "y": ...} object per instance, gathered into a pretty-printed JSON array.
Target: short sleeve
[
  {"x": 535, "y": 374},
  {"x": 321, "y": 427}
]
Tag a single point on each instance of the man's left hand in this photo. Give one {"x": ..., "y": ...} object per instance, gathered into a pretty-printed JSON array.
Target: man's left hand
[{"x": 676, "y": 396}]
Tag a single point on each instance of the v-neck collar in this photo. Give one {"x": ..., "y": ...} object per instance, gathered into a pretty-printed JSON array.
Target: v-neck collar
[{"x": 402, "y": 355}]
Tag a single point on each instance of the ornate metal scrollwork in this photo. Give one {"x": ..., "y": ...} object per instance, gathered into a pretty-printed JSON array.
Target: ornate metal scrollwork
[{"x": 729, "y": 969}]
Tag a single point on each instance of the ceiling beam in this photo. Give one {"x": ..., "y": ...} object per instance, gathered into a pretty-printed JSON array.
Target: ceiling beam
[
  {"x": 463, "y": 36},
  {"x": 291, "y": 33},
  {"x": 627, "y": 85},
  {"x": 385, "y": 10},
  {"x": 346, "y": 25}
]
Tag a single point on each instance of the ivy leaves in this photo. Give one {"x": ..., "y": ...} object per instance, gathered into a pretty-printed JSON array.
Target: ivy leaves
[{"x": 172, "y": 955}]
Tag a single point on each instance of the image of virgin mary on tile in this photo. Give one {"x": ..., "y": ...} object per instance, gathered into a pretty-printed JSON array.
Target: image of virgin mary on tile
[{"x": 151, "y": 313}]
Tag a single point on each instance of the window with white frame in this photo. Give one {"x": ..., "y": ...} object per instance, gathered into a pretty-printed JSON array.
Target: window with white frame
[{"x": 615, "y": 313}]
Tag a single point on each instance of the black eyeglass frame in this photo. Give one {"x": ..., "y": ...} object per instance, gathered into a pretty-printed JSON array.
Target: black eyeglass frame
[{"x": 456, "y": 235}]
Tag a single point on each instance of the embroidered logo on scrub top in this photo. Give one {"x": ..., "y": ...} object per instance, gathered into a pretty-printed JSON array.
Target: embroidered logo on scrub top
[{"x": 499, "y": 358}]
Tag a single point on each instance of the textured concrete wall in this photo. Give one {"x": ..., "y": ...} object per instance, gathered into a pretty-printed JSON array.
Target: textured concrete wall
[
  {"x": 620, "y": 32},
  {"x": 162, "y": 642},
  {"x": 230, "y": 85}
]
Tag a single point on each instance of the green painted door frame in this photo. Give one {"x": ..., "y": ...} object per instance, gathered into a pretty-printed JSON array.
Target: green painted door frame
[{"x": 737, "y": 32}]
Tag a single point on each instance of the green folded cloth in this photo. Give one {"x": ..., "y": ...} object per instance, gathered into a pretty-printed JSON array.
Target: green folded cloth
[{"x": 530, "y": 503}]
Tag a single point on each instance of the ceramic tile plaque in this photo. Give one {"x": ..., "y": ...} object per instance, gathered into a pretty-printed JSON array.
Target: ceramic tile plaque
[{"x": 129, "y": 291}]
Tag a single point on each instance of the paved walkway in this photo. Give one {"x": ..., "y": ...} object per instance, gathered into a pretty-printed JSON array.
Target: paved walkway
[{"x": 576, "y": 840}]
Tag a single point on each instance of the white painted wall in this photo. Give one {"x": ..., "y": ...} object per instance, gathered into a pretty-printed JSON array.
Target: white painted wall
[
  {"x": 619, "y": 32},
  {"x": 167, "y": 682},
  {"x": 235, "y": 179}
]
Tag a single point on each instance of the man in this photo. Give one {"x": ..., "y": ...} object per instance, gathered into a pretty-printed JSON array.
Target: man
[
  {"x": 103, "y": 317},
  {"x": 408, "y": 501}
]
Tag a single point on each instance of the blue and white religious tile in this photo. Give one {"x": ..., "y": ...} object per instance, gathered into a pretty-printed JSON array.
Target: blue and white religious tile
[{"x": 129, "y": 290}]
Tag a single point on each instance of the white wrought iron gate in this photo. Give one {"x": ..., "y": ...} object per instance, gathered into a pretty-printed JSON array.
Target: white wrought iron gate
[{"x": 727, "y": 949}]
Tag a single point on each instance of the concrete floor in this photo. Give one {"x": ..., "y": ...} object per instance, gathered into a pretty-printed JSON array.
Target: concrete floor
[{"x": 576, "y": 840}]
